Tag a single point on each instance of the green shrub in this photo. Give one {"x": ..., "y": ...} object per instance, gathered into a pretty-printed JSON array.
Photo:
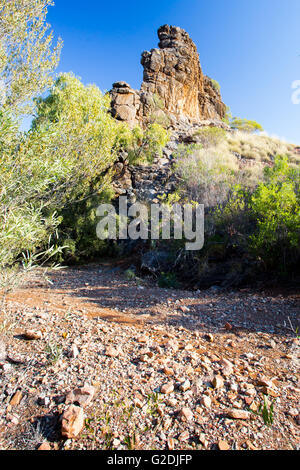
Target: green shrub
[
  {"x": 265, "y": 222},
  {"x": 27, "y": 58},
  {"x": 143, "y": 146},
  {"x": 216, "y": 85},
  {"x": 245, "y": 125},
  {"x": 276, "y": 207},
  {"x": 186, "y": 150},
  {"x": 168, "y": 281},
  {"x": 47, "y": 172}
]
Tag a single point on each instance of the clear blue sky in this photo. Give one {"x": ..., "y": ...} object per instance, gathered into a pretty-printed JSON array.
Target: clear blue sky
[{"x": 252, "y": 47}]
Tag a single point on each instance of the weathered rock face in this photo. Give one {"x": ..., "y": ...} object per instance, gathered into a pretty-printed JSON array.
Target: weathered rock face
[
  {"x": 125, "y": 103},
  {"x": 173, "y": 73}
]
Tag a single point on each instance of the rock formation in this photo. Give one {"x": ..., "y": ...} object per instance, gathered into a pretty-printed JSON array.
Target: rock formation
[{"x": 173, "y": 73}]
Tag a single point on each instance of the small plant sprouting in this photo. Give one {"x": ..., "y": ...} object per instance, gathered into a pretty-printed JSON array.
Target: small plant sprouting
[
  {"x": 54, "y": 351},
  {"x": 153, "y": 403},
  {"x": 131, "y": 441},
  {"x": 266, "y": 412},
  {"x": 130, "y": 275}
]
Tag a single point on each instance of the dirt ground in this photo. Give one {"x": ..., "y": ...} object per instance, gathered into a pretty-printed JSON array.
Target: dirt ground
[{"x": 218, "y": 353}]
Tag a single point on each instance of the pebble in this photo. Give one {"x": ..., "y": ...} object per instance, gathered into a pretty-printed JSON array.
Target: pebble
[
  {"x": 16, "y": 399},
  {"x": 167, "y": 388},
  {"x": 33, "y": 335},
  {"x": 44, "y": 446},
  {"x": 218, "y": 382},
  {"x": 82, "y": 396},
  {"x": 223, "y": 445},
  {"x": 186, "y": 414},
  {"x": 185, "y": 386},
  {"x": 238, "y": 414},
  {"x": 206, "y": 401},
  {"x": 112, "y": 352}
]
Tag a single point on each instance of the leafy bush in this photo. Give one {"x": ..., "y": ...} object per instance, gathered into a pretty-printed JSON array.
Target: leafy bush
[
  {"x": 265, "y": 222},
  {"x": 143, "y": 146},
  {"x": 168, "y": 281},
  {"x": 216, "y": 85},
  {"x": 54, "y": 177},
  {"x": 276, "y": 207},
  {"x": 245, "y": 125},
  {"x": 46, "y": 173},
  {"x": 27, "y": 58}
]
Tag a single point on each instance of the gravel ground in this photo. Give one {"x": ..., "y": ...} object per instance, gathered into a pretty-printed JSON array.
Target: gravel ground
[{"x": 149, "y": 368}]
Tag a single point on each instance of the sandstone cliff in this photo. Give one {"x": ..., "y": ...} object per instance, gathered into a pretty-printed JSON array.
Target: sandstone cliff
[{"x": 173, "y": 73}]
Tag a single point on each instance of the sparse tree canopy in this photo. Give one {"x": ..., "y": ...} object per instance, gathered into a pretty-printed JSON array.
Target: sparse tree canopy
[
  {"x": 27, "y": 54},
  {"x": 245, "y": 125}
]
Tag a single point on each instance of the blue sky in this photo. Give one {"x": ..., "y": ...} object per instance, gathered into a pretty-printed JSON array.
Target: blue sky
[{"x": 252, "y": 47}]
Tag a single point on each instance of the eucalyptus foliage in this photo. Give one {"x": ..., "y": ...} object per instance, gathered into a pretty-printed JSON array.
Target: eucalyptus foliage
[{"x": 28, "y": 56}]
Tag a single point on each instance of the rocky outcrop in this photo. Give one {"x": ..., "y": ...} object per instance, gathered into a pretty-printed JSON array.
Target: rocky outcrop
[
  {"x": 125, "y": 103},
  {"x": 173, "y": 73}
]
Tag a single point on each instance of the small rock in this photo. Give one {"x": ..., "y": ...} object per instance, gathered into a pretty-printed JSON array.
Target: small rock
[
  {"x": 206, "y": 401},
  {"x": 14, "y": 419},
  {"x": 171, "y": 402},
  {"x": 33, "y": 335},
  {"x": 167, "y": 388},
  {"x": 74, "y": 351},
  {"x": 218, "y": 382},
  {"x": 72, "y": 422},
  {"x": 186, "y": 414},
  {"x": 168, "y": 371},
  {"x": 142, "y": 339},
  {"x": 263, "y": 381},
  {"x": 227, "y": 368},
  {"x": 112, "y": 352},
  {"x": 167, "y": 423},
  {"x": 185, "y": 386},
  {"x": 171, "y": 443},
  {"x": 116, "y": 442},
  {"x": 184, "y": 309},
  {"x": 44, "y": 446},
  {"x": 239, "y": 414},
  {"x": 81, "y": 396},
  {"x": 144, "y": 358},
  {"x": 6, "y": 367},
  {"x": 172, "y": 344},
  {"x": 16, "y": 399},
  {"x": 203, "y": 440},
  {"x": 184, "y": 436},
  {"x": 209, "y": 337},
  {"x": 2, "y": 351},
  {"x": 223, "y": 445},
  {"x": 270, "y": 392}
]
